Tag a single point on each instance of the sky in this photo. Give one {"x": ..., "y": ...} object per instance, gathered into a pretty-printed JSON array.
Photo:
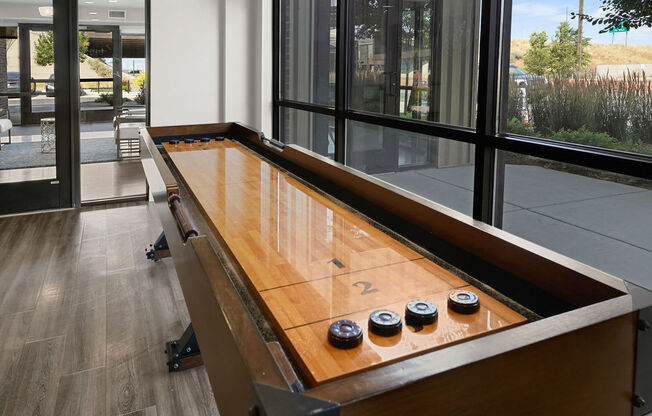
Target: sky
[
  {"x": 536, "y": 15},
  {"x": 129, "y": 64}
]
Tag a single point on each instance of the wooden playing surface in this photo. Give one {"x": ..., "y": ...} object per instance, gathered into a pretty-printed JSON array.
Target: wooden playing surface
[{"x": 313, "y": 262}]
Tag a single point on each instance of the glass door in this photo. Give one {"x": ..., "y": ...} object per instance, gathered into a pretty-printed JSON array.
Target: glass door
[
  {"x": 35, "y": 154},
  {"x": 112, "y": 100},
  {"x": 392, "y": 64}
]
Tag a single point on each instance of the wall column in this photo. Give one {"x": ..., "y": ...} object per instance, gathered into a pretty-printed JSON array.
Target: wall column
[{"x": 4, "y": 101}]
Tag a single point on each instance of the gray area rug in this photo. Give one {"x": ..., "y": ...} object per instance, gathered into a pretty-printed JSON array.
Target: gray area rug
[{"x": 28, "y": 155}]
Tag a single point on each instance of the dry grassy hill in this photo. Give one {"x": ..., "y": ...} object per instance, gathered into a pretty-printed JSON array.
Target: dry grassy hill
[{"x": 601, "y": 54}]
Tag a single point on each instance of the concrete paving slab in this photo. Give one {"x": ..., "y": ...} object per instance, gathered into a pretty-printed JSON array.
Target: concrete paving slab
[
  {"x": 443, "y": 193},
  {"x": 461, "y": 176},
  {"x": 435, "y": 190},
  {"x": 623, "y": 217},
  {"x": 612, "y": 256},
  {"x": 534, "y": 186}
]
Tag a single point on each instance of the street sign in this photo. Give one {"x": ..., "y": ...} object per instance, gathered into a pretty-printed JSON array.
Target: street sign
[{"x": 620, "y": 28}]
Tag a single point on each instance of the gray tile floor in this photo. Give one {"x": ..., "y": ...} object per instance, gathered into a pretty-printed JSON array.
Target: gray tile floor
[
  {"x": 604, "y": 224},
  {"x": 84, "y": 318}
]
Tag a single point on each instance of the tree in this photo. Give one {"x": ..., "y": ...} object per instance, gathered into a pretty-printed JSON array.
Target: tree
[
  {"x": 557, "y": 58},
  {"x": 44, "y": 48},
  {"x": 630, "y": 13},
  {"x": 563, "y": 51},
  {"x": 537, "y": 58}
]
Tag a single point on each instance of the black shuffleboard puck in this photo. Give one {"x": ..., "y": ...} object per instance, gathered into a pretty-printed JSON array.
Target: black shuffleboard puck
[
  {"x": 189, "y": 140},
  {"x": 205, "y": 139},
  {"x": 344, "y": 334},
  {"x": 420, "y": 312},
  {"x": 174, "y": 141},
  {"x": 385, "y": 323},
  {"x": 463, "y": 301},
  {"x": 219, "y": 138}
]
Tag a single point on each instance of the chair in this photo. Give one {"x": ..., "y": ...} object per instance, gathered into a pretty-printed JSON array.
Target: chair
[
  {"x": 5, "y": 126},
  {"x": 126, "y": 126},
  {"x": 131, "y": 115}
]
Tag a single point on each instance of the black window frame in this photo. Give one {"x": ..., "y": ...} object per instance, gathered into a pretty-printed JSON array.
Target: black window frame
[{"x": 495, "y": 35}]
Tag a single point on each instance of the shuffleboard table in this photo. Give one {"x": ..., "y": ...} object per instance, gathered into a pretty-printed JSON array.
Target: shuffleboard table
[{"x": 316, "y": 289}]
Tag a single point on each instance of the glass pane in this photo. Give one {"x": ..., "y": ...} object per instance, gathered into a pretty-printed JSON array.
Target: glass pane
[
  {"x": 42, "y": 70},
  {"x": 599, "y": 218},
  {"x": 313, "y": 131},
  {"x": 578, "y": 85},
  {"x": 10, "y": 78},
  {"x": 416, "y": 59},
  {"x": 438, "y": 169},
  {"x": 112, "y": 100},
  {"x": 308, "y": 35},
  {"x": 27, "y": 124},
  {"x": 96, "y": 69}
]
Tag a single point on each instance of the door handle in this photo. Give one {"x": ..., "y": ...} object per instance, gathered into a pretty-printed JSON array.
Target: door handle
[{"x": 393, "y": 81}]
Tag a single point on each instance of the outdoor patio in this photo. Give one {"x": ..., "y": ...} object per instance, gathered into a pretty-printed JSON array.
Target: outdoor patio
[
  {"x": 97, "y": 145},
  {"x": 604, "y": 224}
]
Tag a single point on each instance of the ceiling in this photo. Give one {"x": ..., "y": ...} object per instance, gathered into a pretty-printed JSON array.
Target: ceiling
[
  {"x": 95, "y": 12},
  {"x": 99, "y": 3}
]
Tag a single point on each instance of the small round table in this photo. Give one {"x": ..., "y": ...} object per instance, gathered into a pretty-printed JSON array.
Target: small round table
[{"x": 48, "y": 135}]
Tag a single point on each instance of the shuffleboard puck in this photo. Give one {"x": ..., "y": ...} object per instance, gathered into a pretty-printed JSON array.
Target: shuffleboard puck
[
  {"x": 463, "y": 301},
  {"x": 420, "y": 312},
  {"x": 344, "y": 334},
  {"x": 385, "y": 323},
  {"x": 174, "y": 141},
  {"x": 205, "y": 139},
  {"x": 219, "y": 138},
  {"x": 189, "y": 140}
]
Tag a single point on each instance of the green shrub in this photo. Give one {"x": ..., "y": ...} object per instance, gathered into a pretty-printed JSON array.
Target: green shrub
[
  {"x": 105, "y": 98},
  {"x": 516, "y": 126},
  {"x": 603, "y": 140},
  {"x": 620, "y": 108},
  {"x": 586, "y": 137},
  {"x": 140, "y": 98},
  {"x": 612, "y": 104},
  {"x": 108, "y": 99},
  {"x": 640, "y": 112},
  {"x": 560, "y": 104},
  {"x": 140, "y": 81}
]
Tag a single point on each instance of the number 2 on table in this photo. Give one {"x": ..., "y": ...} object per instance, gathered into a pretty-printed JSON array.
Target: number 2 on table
[{"x": 366, "y": 287}]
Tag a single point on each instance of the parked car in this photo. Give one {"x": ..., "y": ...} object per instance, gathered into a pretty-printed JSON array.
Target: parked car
[
  {"x": 522, "y": 78},
  {"x": 13, "y": 81},
  {"x": 49, "y": 87}
]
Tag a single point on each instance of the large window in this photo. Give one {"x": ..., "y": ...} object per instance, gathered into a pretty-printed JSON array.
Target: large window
[
  {"x": 313, "y": 131},
  {"x": 308, "y": 57},
  {"x": 600, "y": 218},
  {"x": 514, "y": 112},
  {"x": 438, "y": 169},
  {"x": 415, "y": 58},
  {"x": 574, "y": 82}
]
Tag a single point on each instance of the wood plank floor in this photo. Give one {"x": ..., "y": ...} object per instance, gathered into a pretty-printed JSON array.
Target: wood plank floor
[
  {"x": 99, "y": 181},
  {"x": 84, "y": 317}
]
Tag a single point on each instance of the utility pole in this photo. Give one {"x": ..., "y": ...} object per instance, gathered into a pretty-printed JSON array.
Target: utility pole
[{"x": 579, "y": 38}]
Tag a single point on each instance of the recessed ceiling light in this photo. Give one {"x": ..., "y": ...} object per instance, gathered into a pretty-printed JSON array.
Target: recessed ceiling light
[
  {"x": 113, "y": 1},
  {"x": 93, "y": 13},
  {"x": 89, "y": 2},
  {"x": 46, "y": 11}
]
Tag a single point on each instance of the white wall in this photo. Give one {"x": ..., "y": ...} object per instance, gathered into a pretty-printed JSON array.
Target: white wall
[
  {"x": 185, "y": 61},
  {"x": 227, "y": 44}
]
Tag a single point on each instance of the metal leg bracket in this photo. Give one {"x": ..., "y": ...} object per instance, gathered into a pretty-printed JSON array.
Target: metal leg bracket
[
  {"x": 159, "y": 250},
  {"x": 183, "y": 353}
]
